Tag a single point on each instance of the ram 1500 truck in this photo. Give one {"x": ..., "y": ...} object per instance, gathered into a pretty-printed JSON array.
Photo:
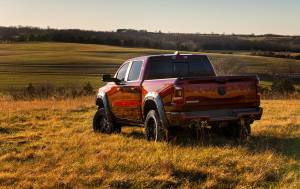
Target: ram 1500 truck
[{"x": 167, "y": 91}]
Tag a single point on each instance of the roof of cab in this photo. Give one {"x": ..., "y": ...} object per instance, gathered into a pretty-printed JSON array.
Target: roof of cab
[{"x": 163, "y": 55}]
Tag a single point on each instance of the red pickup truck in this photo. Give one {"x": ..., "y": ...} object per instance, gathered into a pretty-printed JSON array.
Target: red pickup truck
[{"x": 161, "y": 92}]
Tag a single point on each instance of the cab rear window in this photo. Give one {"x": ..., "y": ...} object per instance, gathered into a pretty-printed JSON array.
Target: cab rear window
[{"x": 168, "y": 67}]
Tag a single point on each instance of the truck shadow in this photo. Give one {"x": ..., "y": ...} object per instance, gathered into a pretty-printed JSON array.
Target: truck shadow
[
  {"x": 180, "y": 177},
  {"x": 135, "y": 134},
  {"x": 286, "y": 146}
]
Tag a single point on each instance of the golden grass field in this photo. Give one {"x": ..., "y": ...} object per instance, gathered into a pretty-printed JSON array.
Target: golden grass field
[{"x": 50, "y": 144}]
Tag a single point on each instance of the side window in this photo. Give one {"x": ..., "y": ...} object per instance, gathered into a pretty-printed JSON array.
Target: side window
[
  {"x": 122, "y": 72},
  {"x": 135, "y": 70}
]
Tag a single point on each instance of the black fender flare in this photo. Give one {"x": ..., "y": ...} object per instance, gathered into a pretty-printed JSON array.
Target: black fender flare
[
  {"x": 155, "y": 97},
  {"x": 102, "y": 98}
]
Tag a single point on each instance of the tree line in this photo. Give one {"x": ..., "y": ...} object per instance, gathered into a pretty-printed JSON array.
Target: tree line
[{"x": 157, "y": 40}]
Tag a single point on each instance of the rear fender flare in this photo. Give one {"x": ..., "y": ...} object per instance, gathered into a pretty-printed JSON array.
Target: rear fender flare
[{"x": 155, "y": 97}]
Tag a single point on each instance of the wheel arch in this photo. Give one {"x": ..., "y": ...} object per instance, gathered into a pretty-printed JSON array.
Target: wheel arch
[
  {"x": 154, "y": 101},
  {"x": 99, "y": 103},
  {"x": 102, "y": 102},
  {"x": 148, "y": 106}
]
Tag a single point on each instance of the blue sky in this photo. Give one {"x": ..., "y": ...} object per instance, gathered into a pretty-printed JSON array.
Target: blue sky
[{"x": 189, "y": 16}]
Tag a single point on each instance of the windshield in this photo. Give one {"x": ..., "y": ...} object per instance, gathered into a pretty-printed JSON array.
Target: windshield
[{"x": 168, "y": 67}]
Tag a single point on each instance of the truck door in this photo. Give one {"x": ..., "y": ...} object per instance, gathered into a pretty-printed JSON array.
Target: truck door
[{"x": 126, "y": 102}]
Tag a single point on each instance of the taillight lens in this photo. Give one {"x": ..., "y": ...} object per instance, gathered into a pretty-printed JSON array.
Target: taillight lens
[
  {"x": 178, "y": 92},
  {"x": 178, "y": 95}
]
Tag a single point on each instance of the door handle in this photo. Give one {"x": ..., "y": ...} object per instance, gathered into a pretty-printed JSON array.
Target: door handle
[
  {"x": 128, "y": 89},
  {"x": 135, "y": 89}
]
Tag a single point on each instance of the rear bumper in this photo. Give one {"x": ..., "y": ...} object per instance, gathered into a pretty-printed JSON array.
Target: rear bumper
[{"x": 184, "y": 118}]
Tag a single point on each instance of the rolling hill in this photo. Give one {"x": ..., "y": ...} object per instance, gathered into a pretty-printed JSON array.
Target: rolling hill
[{"x": 69, "y": 63}]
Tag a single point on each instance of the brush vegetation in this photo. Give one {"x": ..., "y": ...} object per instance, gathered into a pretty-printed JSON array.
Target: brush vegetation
[
  {"x": 156, "y": 40},
  {"x": 50, "y": 144}
]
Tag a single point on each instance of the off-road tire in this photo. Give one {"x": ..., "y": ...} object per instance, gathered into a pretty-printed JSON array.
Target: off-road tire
[
  {"x": 99, "y": 121},
  {"x": 102, "y": 125},
  {"x": 154, "y": 130}
]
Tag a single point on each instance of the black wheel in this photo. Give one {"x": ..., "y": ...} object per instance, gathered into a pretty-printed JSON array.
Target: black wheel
[
  {"x": 102, "y": 125},
  {"x": 154, "y": 130},
  {"x": 100, "y": 122}
]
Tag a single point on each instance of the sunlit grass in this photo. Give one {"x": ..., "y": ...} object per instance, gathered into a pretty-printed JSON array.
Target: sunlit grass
[{"x": 49, "y": 143}]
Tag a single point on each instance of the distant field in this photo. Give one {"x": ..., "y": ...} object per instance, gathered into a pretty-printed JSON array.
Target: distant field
[
  {"x": 50, "y": 144},
  {"x": 60, "y": 63},
  {"x": 66, "y": 63}
]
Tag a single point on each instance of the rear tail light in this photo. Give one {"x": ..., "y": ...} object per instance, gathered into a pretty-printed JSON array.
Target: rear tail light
[
  {"x": 178, "y": 95},
  {"x": 178, "y": 92}
]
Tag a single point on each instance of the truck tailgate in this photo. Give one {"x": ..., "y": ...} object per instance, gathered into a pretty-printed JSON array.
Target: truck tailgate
[{"x": 220, "y": 92}]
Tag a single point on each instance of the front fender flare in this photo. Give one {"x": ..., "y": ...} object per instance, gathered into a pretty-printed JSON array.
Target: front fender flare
[{"x": 103, "y": 97}]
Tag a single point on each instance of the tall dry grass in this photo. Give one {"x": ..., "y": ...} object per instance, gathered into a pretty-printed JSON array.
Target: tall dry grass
[{"x": 50, "y": 144}]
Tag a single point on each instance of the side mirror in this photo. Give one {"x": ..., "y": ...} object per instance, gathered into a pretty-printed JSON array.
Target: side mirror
[{"x": 109, "y": 78}]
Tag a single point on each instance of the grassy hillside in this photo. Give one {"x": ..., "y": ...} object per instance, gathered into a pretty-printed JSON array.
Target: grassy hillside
[
  {"x": 62, "y": 63},
  {"x": 50, "y": 144}
]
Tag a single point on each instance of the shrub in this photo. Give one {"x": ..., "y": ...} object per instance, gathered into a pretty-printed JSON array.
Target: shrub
[
  {"x": 283, "y": 86},
  {"x": 30, "y": 90},
  {"x": 88, "y": 89},
  {"x": 47, "y": 90}
]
